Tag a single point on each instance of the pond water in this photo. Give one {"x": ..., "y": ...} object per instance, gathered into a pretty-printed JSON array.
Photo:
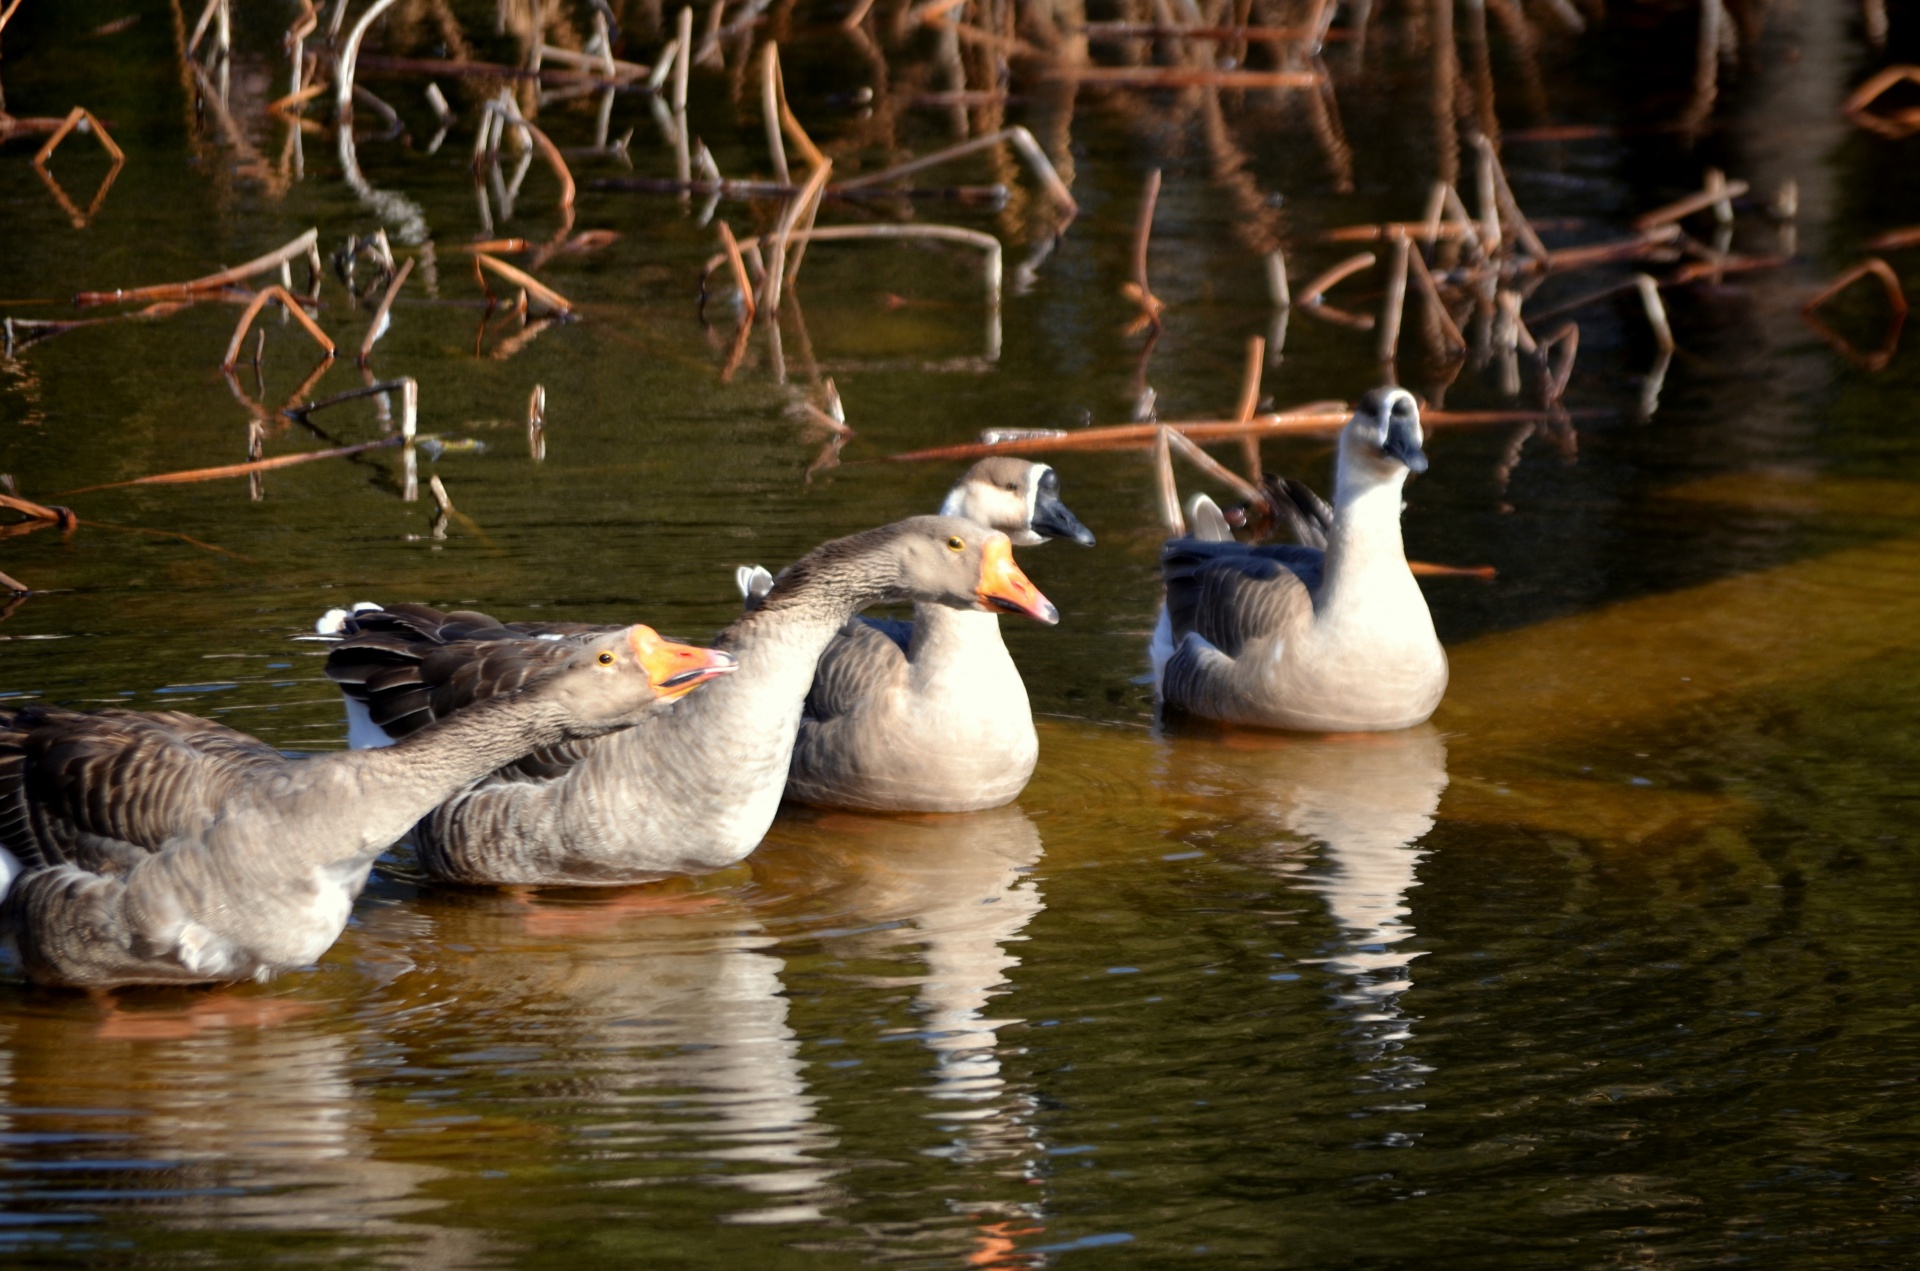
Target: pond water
[{"x": 1607, "y": 965}]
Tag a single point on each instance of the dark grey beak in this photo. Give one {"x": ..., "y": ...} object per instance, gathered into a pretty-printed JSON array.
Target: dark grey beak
[
  {"x": 1051, "y": 518},
  {"x": 1403, "y": 438}
]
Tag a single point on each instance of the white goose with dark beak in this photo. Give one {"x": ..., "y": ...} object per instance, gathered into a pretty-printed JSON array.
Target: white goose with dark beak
[{"x": 1295, "y": 637}]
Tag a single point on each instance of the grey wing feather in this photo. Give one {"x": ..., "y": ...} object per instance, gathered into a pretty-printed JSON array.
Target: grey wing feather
[
  {"x": 1305, "y": 513},
  {"x": 862, "y": 660},
  {"x": 898, "y": 630},
  {"x": 412, "y": 665},
  {"x": 100, "y": 790},
  {"x": 1230, "y": 593}
]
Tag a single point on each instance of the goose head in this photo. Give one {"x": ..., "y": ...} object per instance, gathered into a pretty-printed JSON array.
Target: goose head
[
  {"x": 953, "y": 561},
  {"x": 1018, "y": 497},
  {"x": 616, "y": 679},
  {"x": 1382, "y": 442}
]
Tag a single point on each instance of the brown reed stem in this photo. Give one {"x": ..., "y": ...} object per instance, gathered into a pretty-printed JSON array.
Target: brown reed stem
[
  {"x": 292, "y": 306},
  {"x": 1395, "y": 301},
  {"x": 1168, "y": 492},
  {"x": 519, "y": 277},
  {"x": 378, "y": 326},
  {"x": 184, "y": 290},
  {"x": 1315, "y": 292},
  {"x": 67, "y": 125},
  {"x": 739, "y": 266}
]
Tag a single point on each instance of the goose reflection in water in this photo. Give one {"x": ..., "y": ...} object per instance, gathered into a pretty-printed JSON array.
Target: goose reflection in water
[
  {"x": 1367, "y": 799},
  {"x": 953, "y": 893},
  {"x": 658, "y": 1015},
  {"x": 210, "y": 1112}
]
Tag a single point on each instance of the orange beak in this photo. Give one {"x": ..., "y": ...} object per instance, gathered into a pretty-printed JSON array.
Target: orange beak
[
  {"x": 675, "y": 670},
  {"x": 1003, "y": 586}
]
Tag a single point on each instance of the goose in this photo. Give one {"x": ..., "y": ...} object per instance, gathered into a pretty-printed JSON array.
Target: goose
[
  {"x": 688, "y": 792},
  {"x": 161, "y": 848},
  {"x": 1333, "y": 640},
  {"x": 929, "y": 715}
]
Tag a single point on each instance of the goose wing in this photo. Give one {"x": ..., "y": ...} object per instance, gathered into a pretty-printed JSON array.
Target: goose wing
[
  {"x": 864, "y": 660},
  {"x": 100, "y": 790},
  {"x": 411, "y": 665},
  {"x": 1231, "y": 593},
  {"x": 898, "y": 630}
]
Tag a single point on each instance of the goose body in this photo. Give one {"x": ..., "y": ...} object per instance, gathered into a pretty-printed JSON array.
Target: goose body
[
  {"x": 932, "y": 715},
  {"x": 164, "y": 848},
  {"x": 687, "y": 792},
  {"x": 1333, "y": 640}
]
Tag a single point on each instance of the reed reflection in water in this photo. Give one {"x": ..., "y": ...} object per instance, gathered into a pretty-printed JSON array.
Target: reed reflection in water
[{"x": 1365, "y": 800}]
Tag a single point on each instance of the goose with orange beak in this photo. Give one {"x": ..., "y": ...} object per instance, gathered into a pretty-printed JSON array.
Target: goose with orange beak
[
  {"x": 932, "y": 715},
  {"x": 692, "y": 788}
]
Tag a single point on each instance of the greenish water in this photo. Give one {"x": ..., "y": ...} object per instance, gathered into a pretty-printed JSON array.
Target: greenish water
[{"x": 1607, "y": 966}]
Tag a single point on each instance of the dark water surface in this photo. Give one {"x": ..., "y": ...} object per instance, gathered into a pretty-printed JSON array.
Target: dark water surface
[{"x": 1609, "y": 965}]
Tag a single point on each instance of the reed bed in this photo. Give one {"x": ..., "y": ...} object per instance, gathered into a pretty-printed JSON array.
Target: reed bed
[{"x": 1467, "y": 281}]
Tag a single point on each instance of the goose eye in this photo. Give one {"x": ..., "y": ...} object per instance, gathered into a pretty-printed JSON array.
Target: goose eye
[
  {"x": 956, "y": 544},
  {"x": 606, "y": 659}
]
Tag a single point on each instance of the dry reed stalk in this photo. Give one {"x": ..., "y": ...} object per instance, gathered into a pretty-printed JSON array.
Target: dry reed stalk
[
  {"x": 7, "y": 16},
  {"x": 414, "y": 66},
  {"x": 1436, "y": 306},
  {"x": 1699, "y": 201},
  {"x": 344, "y": 65},
  {"x": 739, "y": 266},
  {"x": 440, "y": 498},
  {"x": 303, "y": 245},
  {"x": 1277, "y": 290},
  {"x": 1488, "y": 198},
  {"x": 75, "y": 117},
  {"x": 551, "y": 153},
  {"x": 807, "y": 219},
  {"x": 1566, "y": 342},
  {"x": 282, "y": 107},
  {"x": 537, "y": 424},
  {"x": 1656, "y": 311},
  {"x": 1896, "y": 239},
  {"x": 62, "y": 517},
  {"x": 1023, "y": 141},
  {"x": 535, "y": 289},
  {"x": 847, "y": 233},
  {"x": 1394, "y": 304},
  {"x": 1182, "y": 77},
  {"x": 1419, "y": 231},
  {"x": 783, "y": 234},
  {"x": 1569, "y": 258},
  {"x": 1510, "y": 207},
  {"x": 1139, "y": 290},
  {"x": 684, "y": 62},
  {"x": 1250, "y": 402},
  {"x": 770, "y": 109},
  {"x": 1158, "y": 31},
  {"x": 1890, "y": 283},
  {"x": 1313, "y": 419},
  {"x": 1164, "y": 487},
  {"x": 242, "y": 469},
  {"x": 291, "y": 305},
  {"x": 1213, "y": 467},
  {"x": 378, "y": 326},
  {"x": 1314, "y": 293},
  {"x": 8, "y": 581},
  {"x": 496, "y": 246},
  {"x": 1893, "y": 127},
  {"x": 607, "y": 68},
  {"x": 1426, "y": 569}
]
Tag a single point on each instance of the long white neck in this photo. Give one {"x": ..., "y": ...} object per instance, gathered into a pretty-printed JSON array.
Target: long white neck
[{"x": 1364, "y": 544}]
